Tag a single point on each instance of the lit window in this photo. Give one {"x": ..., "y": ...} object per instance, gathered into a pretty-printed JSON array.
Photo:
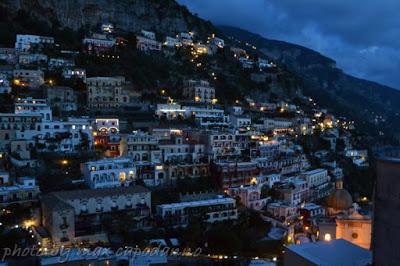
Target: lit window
[{"x": 122, "y": 176}]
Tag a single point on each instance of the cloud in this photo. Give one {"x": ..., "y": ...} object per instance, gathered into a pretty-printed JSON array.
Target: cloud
[{"x": 361, "y": 35}]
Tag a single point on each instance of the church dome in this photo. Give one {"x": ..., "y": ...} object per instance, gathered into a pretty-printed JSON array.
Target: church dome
[{"x": 340, "y": 200}]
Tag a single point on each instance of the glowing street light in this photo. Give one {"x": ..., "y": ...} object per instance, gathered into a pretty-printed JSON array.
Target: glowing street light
[{"x": 328, "y": 237}]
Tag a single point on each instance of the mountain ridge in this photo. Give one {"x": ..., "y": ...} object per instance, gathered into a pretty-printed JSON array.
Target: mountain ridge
[{"x": 321, "y": 77}]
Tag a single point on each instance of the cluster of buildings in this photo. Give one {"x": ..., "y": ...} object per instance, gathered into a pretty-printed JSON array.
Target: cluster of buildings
[{"x": 250, "y": 150}]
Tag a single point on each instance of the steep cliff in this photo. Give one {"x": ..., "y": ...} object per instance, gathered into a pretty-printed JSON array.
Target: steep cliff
[{"x": 164, "y": 16}]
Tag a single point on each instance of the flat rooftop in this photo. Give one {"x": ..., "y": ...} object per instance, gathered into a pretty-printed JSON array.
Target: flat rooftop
[
  {"x": 335, "y": 252},
  {"x": 191, "y": 204}
]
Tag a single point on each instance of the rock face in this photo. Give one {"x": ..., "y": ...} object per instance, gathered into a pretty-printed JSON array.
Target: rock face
[{"x": 163, "y": 16}]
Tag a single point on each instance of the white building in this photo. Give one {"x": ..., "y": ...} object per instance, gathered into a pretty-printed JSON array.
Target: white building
[
  {"x": 141, "y": 147},
  {"x": 316, "y": 177},
  {"x": 172, "y": 42},
  {"x": 78, "y": 73},
  {"x": 64, "y": 136},
  {"x": 181, "y": 149},
  {"x": 31, "y": 105},
  {"x": 240, "y": 121},
  {"x": 99, "y": 41},
  {"x": 23, "y": 191},
  {"x": 278, "y": 124},
  {"x": 24, "y": 42},
  {"x": 147, "y": 41},
  {"x": 207, "y": 117},
  {"x": 28, "y": 59},
  {"x": 109, "y": 173},
  {"x": 60, "y": 62}
]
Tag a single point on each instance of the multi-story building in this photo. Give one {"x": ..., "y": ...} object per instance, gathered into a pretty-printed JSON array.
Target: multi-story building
[
  {"x": 11, "y": 124},
  {"x": 107, "y": 135},
  {"x": 239, "y": 121},
  {"x": 106, "y": 92},
  {"x": 31, "y": 105},
  {"x": 234, "y": 173},
  {"x": 209, "y": 210},
  {"x": 295, "y": 191},
  {"x": 181, "y": 149},
  {"x": 24, "y": 191},
  {"x": 318, "y": 182},
  {"x": 198, "y": 90},
  {"x": 311, "y": 211},
  {"x": 107, "y": 173},
  {"x": 32, "y": 59},
  {"x": 278, "y": 125},
  {"x": 24, "y": 42},
  {"x": 282, "y": 210},
  {"x": 141, "y": 147},
  {"x": 60, "y": 62},
  {"x": 74, "y": 73},
  {"x": 79, "y": 215},
  {"x": 28, "y": 77},
  {"x": 99, "y": 43},
  {"x": 250, "y": 196},
  {"x": 203, "y": 116},
  {"x": 147, "y": 41},
  {"x": 62, "y": 98},
  {"x": 65, "y": 136},
  {"x": 206, "y": 116},
  {"x": 316, "y": 177},
  {"x": 218, "y": 145}
]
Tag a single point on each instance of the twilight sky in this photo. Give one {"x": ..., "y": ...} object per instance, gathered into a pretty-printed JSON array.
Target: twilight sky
[{"x": 363, "y": 36}]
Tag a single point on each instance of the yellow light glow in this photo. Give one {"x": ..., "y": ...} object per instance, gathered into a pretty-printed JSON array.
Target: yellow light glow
[
  {"x": 327, "y": 237},
  {"x": 29, "y": 223},
  {"x": 122, "y": 176},
  {"x": 64, "y": 162},
  {"x": 197, "y": 99}
]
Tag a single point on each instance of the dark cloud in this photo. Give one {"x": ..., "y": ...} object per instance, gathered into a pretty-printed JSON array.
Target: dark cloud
[{"x": 361, "y": 35}]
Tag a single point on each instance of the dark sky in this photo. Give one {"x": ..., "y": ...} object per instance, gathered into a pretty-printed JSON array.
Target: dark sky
[{"x": 363, "y": 36}]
